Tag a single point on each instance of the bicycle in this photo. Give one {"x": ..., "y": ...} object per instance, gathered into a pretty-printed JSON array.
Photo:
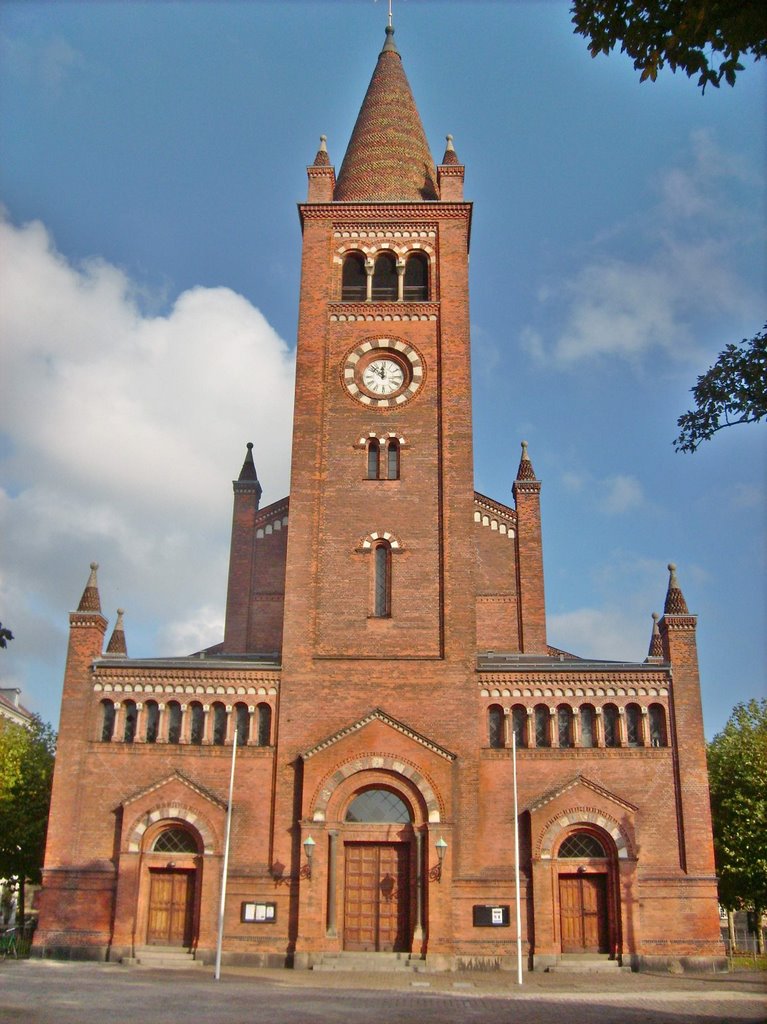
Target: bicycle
[{"x": 9, "y": 945}]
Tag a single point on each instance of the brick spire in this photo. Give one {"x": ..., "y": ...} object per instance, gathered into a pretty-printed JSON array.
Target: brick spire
[
  {"x": 655, "y": 653},
  {"x": 248, "y": 478},
  {"x": 388, "y": 157},
  {"x": 90, "y": 601},
  {"x": 322, "y": 159},
  {"x": 675, "y": 602},
  {"x": 117, "y": 647},
  {"x": 525, "y": 471}
]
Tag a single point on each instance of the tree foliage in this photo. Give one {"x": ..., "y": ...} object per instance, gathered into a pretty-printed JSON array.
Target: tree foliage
[
  {"x": 5, "y": 635},
  {"x": 733, "y": 390},
  {"x": 737, "y": 766},
  {"x": 701, "y": 37},
  {"x": 26, "y": 774}
]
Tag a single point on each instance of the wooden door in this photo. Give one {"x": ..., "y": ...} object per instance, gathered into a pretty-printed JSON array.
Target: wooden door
[
  {"x": 377, "y": 907},
  {"x": 583, "y": 913},
  {"x": 171, "y": 895}
]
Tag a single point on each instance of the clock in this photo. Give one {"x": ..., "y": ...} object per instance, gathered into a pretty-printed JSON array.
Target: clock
[{"x": 384, "y": 372}]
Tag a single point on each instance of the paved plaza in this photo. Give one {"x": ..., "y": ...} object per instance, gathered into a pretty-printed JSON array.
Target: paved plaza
[{"x": 35, "y": 992}]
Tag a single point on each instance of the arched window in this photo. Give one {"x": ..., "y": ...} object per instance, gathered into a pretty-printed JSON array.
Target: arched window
[
  {"x": 174, "y": 722},
  {"x": 107, "y": 721},
  {"x": 382, "y": 581},
  {"x": 581, "y": 844},
  {"x": 243, "y": 724},
  {"x": 175, "y": 840},
  {"x": 379, "y": 805},
  {"x": 354, "y": 278},
  {"x": 658, "y": 733},
  {"x": 131, "y": 715},
  {"x": 588, "y": 731},
  {"x": 374, "y": 450},
  {"x": 219, "y": 724},
  {"x": 385, "y": 278},
  {"x": 542, "y": 733},
  {"x": 518, "y": 724},
  {"x": 417, "y": 278},
  {"x": 152, "y": 720},
  {"x": 610, "y": 720},
  {"x": 197, "y": 731},
  {"x": 495, "y": 726},
  {"x": 565, "y": 725},
  {"x": 392, "y": 459},
  {"x": 633, "y": 725},
  {"x": 264, "y": 738}
]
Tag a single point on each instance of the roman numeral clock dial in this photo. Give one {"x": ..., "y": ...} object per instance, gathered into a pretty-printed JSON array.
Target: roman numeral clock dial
[{"x": 384, "y": 372}]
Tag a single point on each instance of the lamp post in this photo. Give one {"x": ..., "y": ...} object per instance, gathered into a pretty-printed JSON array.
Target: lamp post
[
  {"x": 441, "y": 851},
  {"x": 309, "y": 845}
]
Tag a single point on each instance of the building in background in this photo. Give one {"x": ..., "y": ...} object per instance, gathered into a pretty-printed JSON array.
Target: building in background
[
  {"x": 11, "y": 708},
  {"x": 385, "y": 645}
]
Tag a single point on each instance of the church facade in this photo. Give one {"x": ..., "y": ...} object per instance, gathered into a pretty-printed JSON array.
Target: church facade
[{"x": 385, "y": 665}]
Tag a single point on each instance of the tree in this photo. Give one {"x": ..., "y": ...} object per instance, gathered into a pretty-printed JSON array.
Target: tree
[
  {"x": 733, "y": 390},
  {"x": 5, "y": 636},
  {"x": 26, "y": 774},
  {"x": 737, "y": 766},
  {"x": 701, "y": 37}
]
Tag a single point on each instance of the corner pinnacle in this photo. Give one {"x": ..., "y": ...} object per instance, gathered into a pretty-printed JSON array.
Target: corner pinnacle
[
  {"x": 675, "y": 602},
  {"x": 90, "y": 601}
]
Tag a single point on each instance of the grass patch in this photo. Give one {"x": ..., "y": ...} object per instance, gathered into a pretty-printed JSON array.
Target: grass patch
[{"x": 748, "y": 962}]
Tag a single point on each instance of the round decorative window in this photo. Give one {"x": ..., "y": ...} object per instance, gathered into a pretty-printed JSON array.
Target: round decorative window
[{"x": 383, "y": 372}]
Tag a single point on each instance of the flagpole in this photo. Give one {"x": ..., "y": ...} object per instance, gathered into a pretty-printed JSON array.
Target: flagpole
[
  {"x": 225, "y": 871},
  {"x": 516, "y": 858}
]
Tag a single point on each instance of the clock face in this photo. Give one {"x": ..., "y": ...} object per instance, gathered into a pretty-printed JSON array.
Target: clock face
[
  {"x": 383, "y": 372},
  {"x": 383, "y": 376}
]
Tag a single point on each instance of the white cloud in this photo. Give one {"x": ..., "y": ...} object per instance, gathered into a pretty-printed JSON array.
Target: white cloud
[
  {"x": 609, "y": 634},
  {"x": 621, "y": 494},
  {"x": 120, "y": 433}
]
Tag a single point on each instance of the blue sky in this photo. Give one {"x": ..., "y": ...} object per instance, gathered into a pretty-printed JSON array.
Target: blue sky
[{"x": 153, "y": 156}]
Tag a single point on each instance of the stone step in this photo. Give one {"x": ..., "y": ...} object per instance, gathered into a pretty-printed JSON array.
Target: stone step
[
  {"x": 586, "y": 963},
  {"x": 375, "y": 962},
  {"x": 167, "y": 957}
]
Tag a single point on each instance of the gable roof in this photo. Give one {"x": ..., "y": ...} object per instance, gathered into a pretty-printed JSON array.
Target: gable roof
[
  {"x": 378, "y": 715},
  {"x": 578, "y": 780}
]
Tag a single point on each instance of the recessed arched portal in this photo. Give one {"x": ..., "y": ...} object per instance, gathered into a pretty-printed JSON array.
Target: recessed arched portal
[{"x": 586, "y": 869}]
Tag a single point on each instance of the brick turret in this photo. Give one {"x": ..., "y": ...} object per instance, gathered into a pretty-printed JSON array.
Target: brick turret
[
  {"x": 532, "y": 606},
  {"x": 247, "y": 498}
]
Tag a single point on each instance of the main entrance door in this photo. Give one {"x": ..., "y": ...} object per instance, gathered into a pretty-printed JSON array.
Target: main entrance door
[
  {"x": 376, "y": 905},
  {"x": 583, "y": 913},
  {"x": 171, "y": 896}
]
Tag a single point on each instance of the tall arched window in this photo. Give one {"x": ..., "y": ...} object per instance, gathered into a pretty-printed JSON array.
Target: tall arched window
[
  {"x": 219, "y": 724},
  {"x": 174, "y": 722},
  {"x": 588, "y": 730},
  {"x": 495, "y": 726},
  {"x": 382, "y": 580},
  {"x": 107, "y": 721},
  {"x": 197, "y": 731},
  {"x": 633, "y": 725},
  {"x": 131, "y": 715},
  {"x": 152, "y": 720},
  {"x": 658, "y": 734},
  {"x": 519, "y": 724},
  {"x": 264, "y": 738},
  {"x": 385, "y": 278},
  {"x": 243, "y": 724},
  {"x": 565, "y": 725},
  {"x": 374, "y": 450},
  {"x": 392, "y": 459},
  {"x": 417, "y": 278},
  {"x": 354, "y": 278},
  {"x": 542, "y": 733},
  {"x": 612, "y": 730}
]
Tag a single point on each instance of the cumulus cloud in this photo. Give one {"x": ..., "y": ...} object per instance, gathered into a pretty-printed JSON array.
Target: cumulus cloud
[
  {"x": 682, "y": 266},
  {"x": 120, "y": 433}
]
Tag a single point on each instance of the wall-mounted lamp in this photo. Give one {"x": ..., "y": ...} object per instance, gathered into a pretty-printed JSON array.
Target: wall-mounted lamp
[
  {"x": 441, "y": 851},
  {"x": 309, "y": 845}
]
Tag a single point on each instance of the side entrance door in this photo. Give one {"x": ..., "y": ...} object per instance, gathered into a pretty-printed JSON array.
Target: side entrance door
[
  {"x": 171, "y": 896},
  {"x": 376, "y": 904},
  {"x": 583, "y": 913}
]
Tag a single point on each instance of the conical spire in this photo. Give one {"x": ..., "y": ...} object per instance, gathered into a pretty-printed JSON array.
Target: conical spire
[
  {"x": 525, "y": 471},
  {"x": 675, "y": 602},
  {"x": 248, "y": 478},
  {"x": 450, "y": 157},
  {"x": 90, "y": 601},
  {"x": 655, "y": 653},
  {"x": 322, "y": 159},
  {"x": 388, "y": 157},
  {"x": 117, "y": 647}
]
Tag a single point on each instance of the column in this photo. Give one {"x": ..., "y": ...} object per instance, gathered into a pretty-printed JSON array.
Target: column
[
  {"x": 331, "y": 930},
  {"x": 369, "y": 268},
  {"x": 420, "y": 933}
]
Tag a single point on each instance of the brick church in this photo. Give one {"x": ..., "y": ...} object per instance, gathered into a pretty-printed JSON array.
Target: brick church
[{"x": 385, "y": 650}]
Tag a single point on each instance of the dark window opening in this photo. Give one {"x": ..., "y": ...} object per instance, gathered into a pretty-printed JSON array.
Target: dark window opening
[
  {"x": 373, "y": 453},
  {"x": 565, "y": 726},
  {"x": 392, "y": 460},
  {"x": 385, "y": 278},
  {"x": 658, "y": 735},
  {"x": 518, "y": 725},
  {"x": 542, "y": 734},
  {"x": 588, "y": 734},
  {"x": 264, "y": 725},
  {"x": 354, "y": 279},
  {"x": 219, "y": 724},
  {"x": 243, "y": 725},
  {"x": 174, "y": 722},
  {"x": 633, "y": 725},
  {"x": 152, "y": 721},
  {"x": 107, "y": 721},
  {"x": 382, "y": 569},
  {"x": 612, "y": 731},
  {"x": 495, "y": 726},
  {"x": 417, "y": 278},
  {"x": 130, "y": 721},
  {"x": 198, "y": 724}
]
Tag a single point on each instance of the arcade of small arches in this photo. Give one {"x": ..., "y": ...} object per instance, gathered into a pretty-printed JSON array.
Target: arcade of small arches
[
  {"x": 586, "y": 725},
  {"x": 385, "y": 277},
  {"x": 216, "y": 724}
]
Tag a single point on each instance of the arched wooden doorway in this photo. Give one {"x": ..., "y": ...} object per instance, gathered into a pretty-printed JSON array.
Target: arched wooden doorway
[
  {"x": 171, "y": 881},
  {"x": 586, "y": 890}
]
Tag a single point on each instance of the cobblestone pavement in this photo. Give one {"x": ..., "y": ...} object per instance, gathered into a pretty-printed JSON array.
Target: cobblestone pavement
[{"x": 34, "y": 992}]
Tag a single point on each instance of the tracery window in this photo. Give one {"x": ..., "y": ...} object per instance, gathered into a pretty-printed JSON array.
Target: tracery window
[
  {"x": 354, "y": 278},
  {"x": 197, "y": 730},
  {"x": 658, "y": 733},
  {"x": 243, "y": 724},
  {"x": 519, "y": 724},
  {"x": 495, "y": 726},
  {"x": 175, "y": 840},
  {"x": 385, "y": 278},
  {"x": 174, "y": 722},
  {"x": 219, "y": 724},
  {"x": 588, "y": 731},
  {"x": 152, "y": 720},
  {"x": 611, "y": 727},
  {"x": 131, "y": 715},
  {"x": 416, "y": 278},
  {"x": 633, "y": 725},
  {"x": 542, "y": 730},
  {"x": 379, "y": 805}
]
